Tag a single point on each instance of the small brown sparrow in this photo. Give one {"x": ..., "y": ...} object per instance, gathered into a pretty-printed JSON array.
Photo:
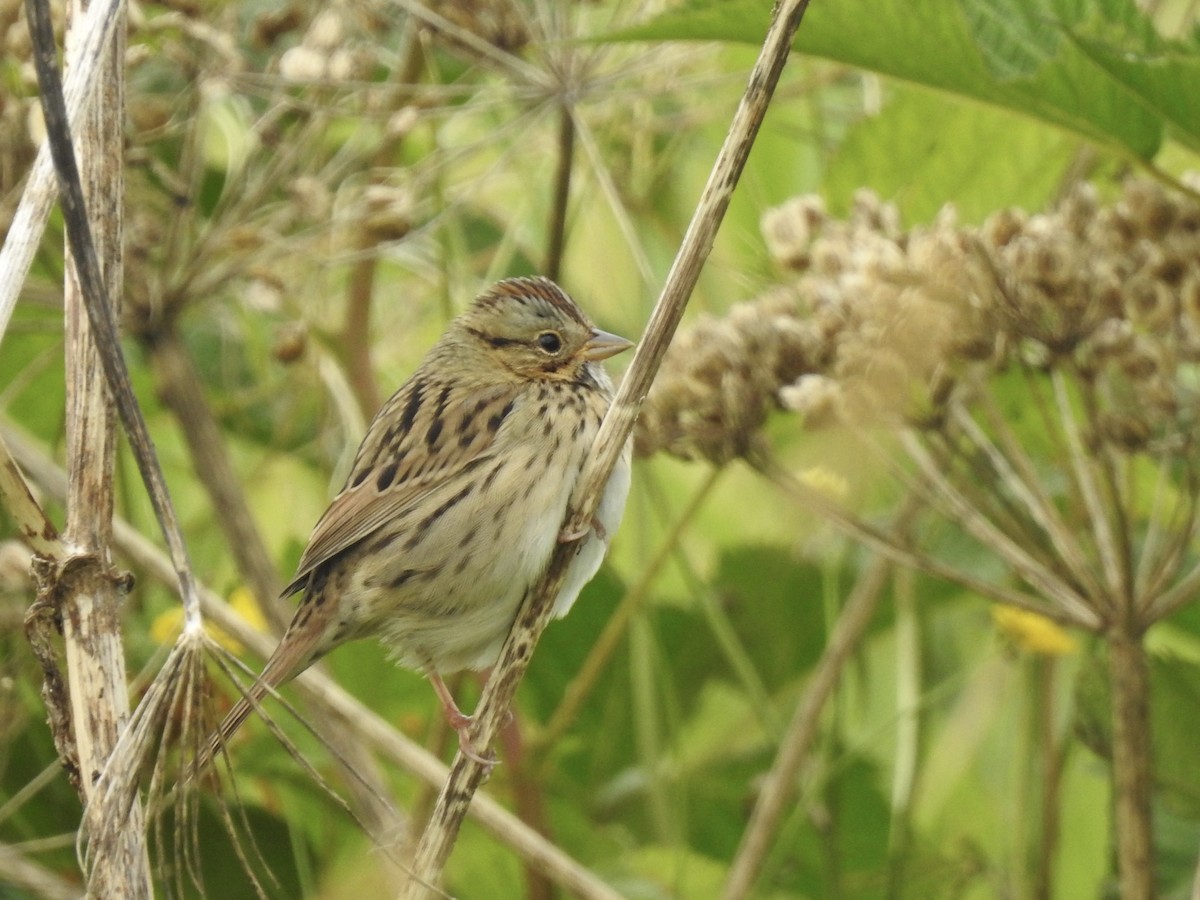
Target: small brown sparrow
[{"x": 455, "y": 499}]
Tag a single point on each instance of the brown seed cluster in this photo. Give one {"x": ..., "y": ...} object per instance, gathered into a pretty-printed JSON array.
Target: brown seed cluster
[{"x": 885, "y": 326}]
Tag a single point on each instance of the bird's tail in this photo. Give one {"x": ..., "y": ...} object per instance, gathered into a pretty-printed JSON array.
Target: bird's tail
[{"x": 271, "y": 677}]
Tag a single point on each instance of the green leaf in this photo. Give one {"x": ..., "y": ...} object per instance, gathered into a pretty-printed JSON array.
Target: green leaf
[
  {"x": 921, "y": 152},
  {"x": 1024, "y": 67}
]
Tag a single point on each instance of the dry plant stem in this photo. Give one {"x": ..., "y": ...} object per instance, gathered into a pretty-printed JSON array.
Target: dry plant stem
[
  {"x": 357, "y": 721},
  {"x": 562, "y": 192},
  {"x": 778, "y": 789},
  {"x": 117, "y": 862},
  {"x": 84, "y": 59},
  {"x": 467, "y": 775},
  {"x": 1132, "y": 761},
  {"x": 101, "y": 318},
  {"x": 179, "y": 387}
]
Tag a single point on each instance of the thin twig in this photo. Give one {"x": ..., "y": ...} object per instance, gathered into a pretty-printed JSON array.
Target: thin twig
[
  {"x": 467, "y": 775},
  {"x": 778, "y": 788},
  {"x": 562, "y": 192}
]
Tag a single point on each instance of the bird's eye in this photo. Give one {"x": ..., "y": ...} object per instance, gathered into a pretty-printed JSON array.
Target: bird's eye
[{"x": 549, "y": 341}]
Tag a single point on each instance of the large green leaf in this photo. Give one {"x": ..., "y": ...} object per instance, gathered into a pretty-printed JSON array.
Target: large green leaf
[
  {"x": 1011, "y": 55},
  {"x": 921, "y": 152}
]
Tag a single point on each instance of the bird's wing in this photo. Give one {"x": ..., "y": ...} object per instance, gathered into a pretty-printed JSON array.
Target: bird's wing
[{"x": 425, "y": 436}]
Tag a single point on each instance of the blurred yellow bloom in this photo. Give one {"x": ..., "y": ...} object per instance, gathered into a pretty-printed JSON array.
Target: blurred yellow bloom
[
  {"x": 1032, "y": 632},
  {"x": 167, "y": 625},
  {"x": 825, "y": 481}
]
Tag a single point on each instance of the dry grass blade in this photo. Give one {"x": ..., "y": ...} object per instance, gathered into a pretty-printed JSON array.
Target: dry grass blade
[
  {"x": 25, "y": 234},
  {"x": 37, "y": 530}
]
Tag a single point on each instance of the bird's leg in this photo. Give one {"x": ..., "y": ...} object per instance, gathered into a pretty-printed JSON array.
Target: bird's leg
[{"x": 458, "y": 720}]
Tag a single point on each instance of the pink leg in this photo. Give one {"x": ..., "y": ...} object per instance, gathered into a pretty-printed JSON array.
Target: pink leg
[{"x": 458, "y": 720}]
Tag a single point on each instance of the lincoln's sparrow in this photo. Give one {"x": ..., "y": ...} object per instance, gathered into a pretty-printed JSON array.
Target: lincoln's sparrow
[{"x": 454, "y": 502}]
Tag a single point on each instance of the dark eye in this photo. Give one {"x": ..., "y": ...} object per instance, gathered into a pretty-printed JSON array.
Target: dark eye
[{"x": 549, "y": 341}]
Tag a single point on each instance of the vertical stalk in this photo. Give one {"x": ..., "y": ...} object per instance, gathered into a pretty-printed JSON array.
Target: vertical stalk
[
  {"x": 91, "y": 596},
  {"x": 1132, "y": 761}
]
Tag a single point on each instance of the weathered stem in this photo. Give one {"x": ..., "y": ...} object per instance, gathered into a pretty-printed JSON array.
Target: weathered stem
[
  {"x": 89, "y": 594},
  {"x": 467, "y": 775},
  {"x": 778, "y": 789},
  {"x": 1132, "y": 761},
  {"x": 180, "y": 389}
]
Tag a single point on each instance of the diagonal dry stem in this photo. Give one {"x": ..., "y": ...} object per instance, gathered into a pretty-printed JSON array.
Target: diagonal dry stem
[
  {"x": 605, "y": 645},
  {"x": 778, "y": 788},
  {"x": 467, "y": 775}
]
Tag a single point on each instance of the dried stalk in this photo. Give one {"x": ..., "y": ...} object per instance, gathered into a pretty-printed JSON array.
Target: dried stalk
[
  {"x": 179, "y": 387},
  {"x": 100, "y": 316},
  {"x": 85, "y": 593},
  {"x": 606, "y": 643},
  {"x": 779, "y": 787},
  {"x": 467, "y": 775},
  {"x": 25, "y": 234},
  {"x": 1132, "y": 762}
]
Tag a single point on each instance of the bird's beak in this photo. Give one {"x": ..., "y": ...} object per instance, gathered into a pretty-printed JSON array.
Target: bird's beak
[{"x": 602, "y": 345}]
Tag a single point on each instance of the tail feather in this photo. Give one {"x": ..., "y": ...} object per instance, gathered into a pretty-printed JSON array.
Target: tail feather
[{"x": 290, "y": 658}]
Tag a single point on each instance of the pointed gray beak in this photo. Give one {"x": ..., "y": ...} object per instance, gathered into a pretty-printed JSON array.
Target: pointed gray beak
[{"x": 602, "y": 345}]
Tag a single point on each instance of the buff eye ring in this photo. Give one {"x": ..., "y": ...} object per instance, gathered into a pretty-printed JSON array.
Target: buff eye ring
[{"x": 549, "y": 341}]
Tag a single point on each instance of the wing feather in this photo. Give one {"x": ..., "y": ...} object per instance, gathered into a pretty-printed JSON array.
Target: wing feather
[{"x": 423, "y": 437}]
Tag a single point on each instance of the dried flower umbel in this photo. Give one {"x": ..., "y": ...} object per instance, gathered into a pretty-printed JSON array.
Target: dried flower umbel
[{"x": 885, "y": 326}]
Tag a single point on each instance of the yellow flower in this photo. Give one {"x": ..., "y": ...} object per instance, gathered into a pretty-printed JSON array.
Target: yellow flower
[
  {"x": 167, "y": 625},
  {"x": 1033, "y": 632},
  {"x": 825, "y": 481}
]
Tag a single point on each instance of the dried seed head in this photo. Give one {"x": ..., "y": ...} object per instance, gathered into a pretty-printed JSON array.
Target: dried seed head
[
  {"x": 881, "y": 325},
  {"x": 790, "y": 229}
]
